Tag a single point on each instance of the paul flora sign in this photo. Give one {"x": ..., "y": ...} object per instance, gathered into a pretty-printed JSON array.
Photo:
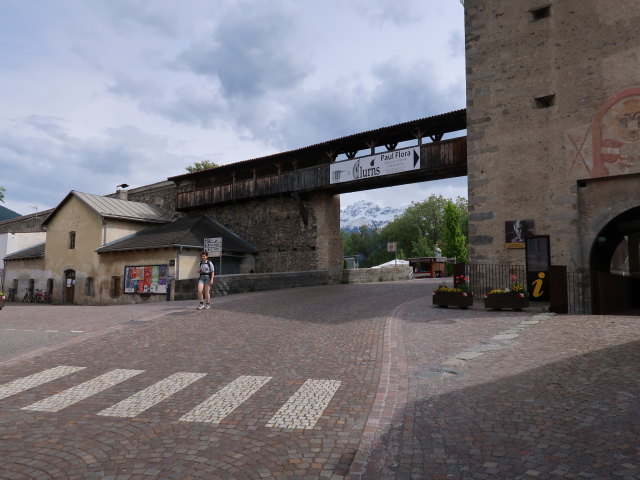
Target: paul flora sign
[{"x": 378, "y": 165}]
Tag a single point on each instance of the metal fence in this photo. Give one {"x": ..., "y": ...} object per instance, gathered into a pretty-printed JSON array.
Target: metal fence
[
  {"x": 579, "y": 293},
  {"x": 482, "y": 278}
]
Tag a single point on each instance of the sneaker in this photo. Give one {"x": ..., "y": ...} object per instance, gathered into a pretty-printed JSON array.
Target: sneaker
[
  {"x": 207, "y": 306},
  {"x": 201, "y": 306}
]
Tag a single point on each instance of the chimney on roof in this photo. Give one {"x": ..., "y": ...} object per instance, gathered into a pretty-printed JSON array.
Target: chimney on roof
[{"x": 122, "y": 194}]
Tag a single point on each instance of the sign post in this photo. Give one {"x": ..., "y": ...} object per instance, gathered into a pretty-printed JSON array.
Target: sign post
[
  {"x": 393, "y": 247},
  {"x": 213, "y": 246}
]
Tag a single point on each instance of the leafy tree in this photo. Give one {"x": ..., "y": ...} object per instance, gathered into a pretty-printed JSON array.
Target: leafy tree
[
  {"x": 200, "y": 166},
  {"x": 418, "y": 230},
  {"x": 2, "y": 190},
  {"x": 368, "y": 245},
  {"x": 455, "y": 242}
]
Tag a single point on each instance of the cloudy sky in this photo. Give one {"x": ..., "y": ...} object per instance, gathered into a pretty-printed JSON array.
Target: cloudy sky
[{"x": 95, "y": 93}]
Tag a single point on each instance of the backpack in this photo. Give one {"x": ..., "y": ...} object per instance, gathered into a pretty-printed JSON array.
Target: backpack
[{"x": 212, "y": 269}]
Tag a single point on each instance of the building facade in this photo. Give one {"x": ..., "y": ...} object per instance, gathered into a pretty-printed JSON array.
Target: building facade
[{"x": 553, "y": 103}]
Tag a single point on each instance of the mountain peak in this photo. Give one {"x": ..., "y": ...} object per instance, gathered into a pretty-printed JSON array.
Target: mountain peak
[{"x": 366, "y": 213}]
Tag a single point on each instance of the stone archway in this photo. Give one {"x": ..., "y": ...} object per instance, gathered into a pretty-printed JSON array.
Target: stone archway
[{"x": 615, "y": 265}]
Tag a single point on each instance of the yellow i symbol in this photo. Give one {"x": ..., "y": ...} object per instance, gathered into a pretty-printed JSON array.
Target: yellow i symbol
[{"x": 537, "y": 285}]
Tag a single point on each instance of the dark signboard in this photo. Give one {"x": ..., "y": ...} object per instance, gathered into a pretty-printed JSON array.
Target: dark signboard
[{"x": 538, "y": 256}]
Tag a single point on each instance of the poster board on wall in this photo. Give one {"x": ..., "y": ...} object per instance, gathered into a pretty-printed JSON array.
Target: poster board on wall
[
  {"x": 146, "y": 279},
  {"x": 516, "y": 231}
]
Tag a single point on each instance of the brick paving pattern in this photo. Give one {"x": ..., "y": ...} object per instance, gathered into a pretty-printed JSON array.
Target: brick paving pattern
[{"x": 339, "y": 382}]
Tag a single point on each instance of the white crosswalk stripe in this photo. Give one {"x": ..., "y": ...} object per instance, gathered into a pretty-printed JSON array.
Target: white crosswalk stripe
[
  {"x": 147, "y": 398},
  {"x": 305, "y": 407},
  {"x": 73, "y": 395},
  {"x": 302, "y": 410},
  {"x": 22, "y": 384},
  {"x": 226, "y": 400}
]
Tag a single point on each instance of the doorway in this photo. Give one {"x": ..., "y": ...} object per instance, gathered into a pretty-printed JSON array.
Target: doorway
[
  {"x": 69, "y": 286},
  {"x": 615, "y": 266}
]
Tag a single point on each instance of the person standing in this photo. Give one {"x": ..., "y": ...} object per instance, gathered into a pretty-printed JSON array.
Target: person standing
[{"x": 207, "y": 271}]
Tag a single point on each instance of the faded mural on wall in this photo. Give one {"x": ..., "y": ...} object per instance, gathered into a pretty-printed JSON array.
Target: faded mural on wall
[{"x": 611, "y": 144}]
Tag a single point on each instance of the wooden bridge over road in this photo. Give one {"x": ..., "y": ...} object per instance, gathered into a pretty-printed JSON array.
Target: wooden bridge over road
[{"x": 308, "y": 169}]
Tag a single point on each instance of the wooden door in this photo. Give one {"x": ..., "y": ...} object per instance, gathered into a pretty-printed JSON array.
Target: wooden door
[{"x": 69, "y": 285}]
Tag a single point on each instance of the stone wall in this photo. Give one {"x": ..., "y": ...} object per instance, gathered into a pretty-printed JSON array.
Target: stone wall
[
  {"x": 601, "y": 200},
  {"x": 162, "y": 194},
  {"x": 276, "y": 227},
  {"x": 369, "y": 275},
  {"x": 536, "y": 77},
  {"x": 228, "y": 284}
]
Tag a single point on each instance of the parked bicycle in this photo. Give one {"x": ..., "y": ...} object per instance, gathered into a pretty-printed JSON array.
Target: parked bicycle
[
  {"x": 12, "y": 295},
  {"x": 28, "y": 296},
  {"x": 42, "y": 296}
]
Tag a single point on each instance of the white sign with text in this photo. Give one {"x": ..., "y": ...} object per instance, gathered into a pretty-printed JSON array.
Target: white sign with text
[
  {"x": 213, "y": 246},
  {"x": 387, "y": 163}
]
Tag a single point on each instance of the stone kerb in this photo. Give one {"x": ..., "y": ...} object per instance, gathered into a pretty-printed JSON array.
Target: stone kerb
[
  {"x": 386, "y": 274},
  {"x": 252, "y": 282}
]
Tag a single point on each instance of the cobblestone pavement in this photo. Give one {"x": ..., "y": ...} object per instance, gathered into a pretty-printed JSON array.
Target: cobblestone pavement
[{"x": 345, "y": 381}]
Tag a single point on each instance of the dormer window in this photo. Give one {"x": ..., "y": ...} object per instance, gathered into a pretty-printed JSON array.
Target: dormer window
[{"x": 72, "y": 240}]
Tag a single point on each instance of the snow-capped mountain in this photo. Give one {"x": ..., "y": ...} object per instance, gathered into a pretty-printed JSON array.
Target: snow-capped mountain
[{"x": 366, "y": 213}]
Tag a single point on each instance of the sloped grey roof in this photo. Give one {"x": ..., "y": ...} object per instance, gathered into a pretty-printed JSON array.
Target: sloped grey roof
[
  {"x": 37, "y": 251},
  {"x": 115, "y": 208},
  {"x": 186, "y": 232}
]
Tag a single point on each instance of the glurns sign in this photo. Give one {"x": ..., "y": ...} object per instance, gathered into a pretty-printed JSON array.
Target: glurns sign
[{"x": 380, "y": 164}]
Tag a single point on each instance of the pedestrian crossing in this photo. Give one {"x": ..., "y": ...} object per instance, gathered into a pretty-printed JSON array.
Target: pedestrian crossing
[{"x": 302, "y": 410}]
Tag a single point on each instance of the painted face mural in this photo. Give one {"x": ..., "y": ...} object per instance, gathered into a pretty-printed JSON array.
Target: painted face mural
[
  {"x": 616, "y": 135},
  {"x": 627, "y": 119}
]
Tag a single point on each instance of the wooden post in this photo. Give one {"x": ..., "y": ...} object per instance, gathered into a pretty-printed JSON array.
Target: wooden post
[{"x": 558, "y": 298}]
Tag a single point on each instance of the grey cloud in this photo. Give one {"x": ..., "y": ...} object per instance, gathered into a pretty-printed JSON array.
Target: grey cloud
[
  {"x": 250, "y": 53},
  {"x": 43, "y": 170},
  {"x": 402, "y": 94},
  {"x": 456, "y": 44},
  {"x": 407, "y": 93},
  {"x": 49, "y": 125},
  {"x": 152, "y": 15},
  {"x": 383, "y": 11}
]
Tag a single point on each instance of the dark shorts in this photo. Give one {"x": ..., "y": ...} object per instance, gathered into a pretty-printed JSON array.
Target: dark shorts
[{"x": 204, "y": 279}]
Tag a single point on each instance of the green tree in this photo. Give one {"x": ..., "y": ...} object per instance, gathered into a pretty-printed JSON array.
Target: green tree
[
  {"x": 454, "y": 240},
  {"x": 367, "y": 245},
  {"x": 419, "y": 228},
  {"x": 200, "y": 166},
  {"x": 2, "y": 190}
]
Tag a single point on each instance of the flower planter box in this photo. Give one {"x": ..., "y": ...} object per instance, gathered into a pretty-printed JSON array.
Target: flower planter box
[
  {"x": 453, "y": 299},
  {"x": 498, "y": 301}
]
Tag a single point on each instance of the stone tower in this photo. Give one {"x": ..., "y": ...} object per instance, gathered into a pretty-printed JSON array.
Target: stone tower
[{"x": 553, "y": 113}]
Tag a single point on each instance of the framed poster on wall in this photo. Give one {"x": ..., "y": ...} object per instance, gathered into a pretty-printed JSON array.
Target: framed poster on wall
[
  {"x": 516, "y": 231},
  {"x": 146, "y": 279}
]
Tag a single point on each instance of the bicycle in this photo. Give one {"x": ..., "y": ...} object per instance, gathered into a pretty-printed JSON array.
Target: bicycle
[
  {"x": 12, "y": 295},
  {"x": 42, "y": 296},
  {"x": 28, "y": 296}
]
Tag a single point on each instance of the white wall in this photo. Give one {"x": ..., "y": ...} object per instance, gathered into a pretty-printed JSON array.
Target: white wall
[{"x": 13, "y": 242}]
